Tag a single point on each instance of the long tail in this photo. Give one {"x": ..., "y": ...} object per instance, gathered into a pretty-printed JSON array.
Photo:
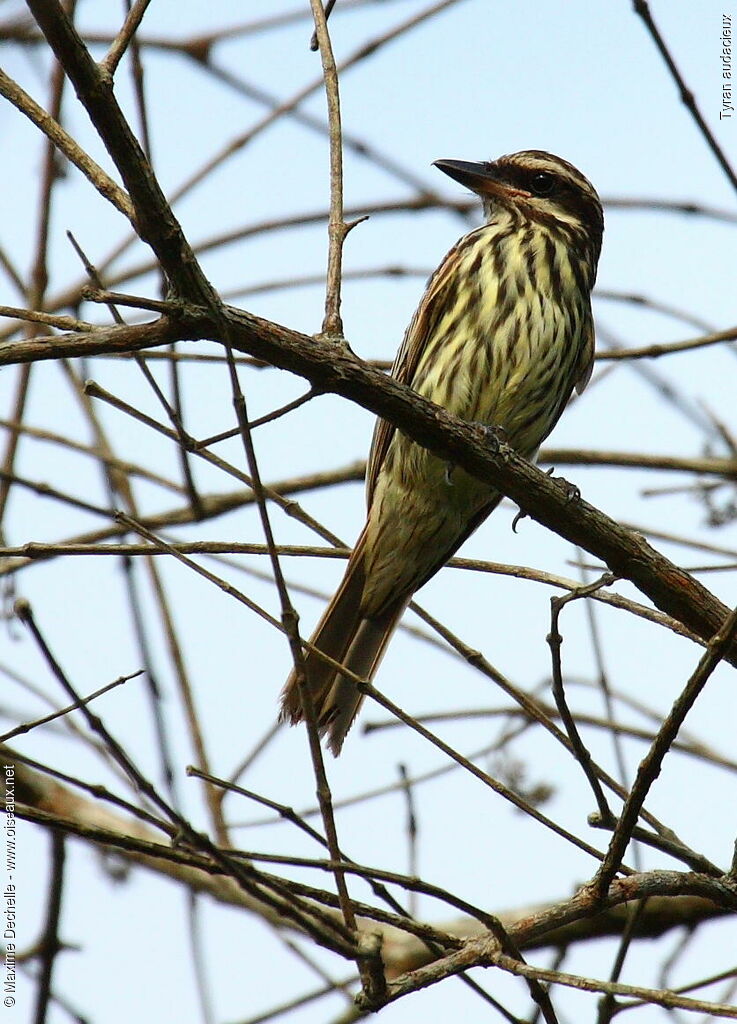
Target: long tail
[{"x": 351, "y": 638}]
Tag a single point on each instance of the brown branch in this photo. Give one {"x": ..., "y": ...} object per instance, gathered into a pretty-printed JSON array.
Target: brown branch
[
  {"x": 64, "y": 323},
  {"x": 155, "y": 223},
  {"x": 104, "y": 458},
  {"x": 104, "y": 184},
  {"x": 668, "y": 348},
  {"x": 483, "y": 950},
  {"x": 651, "y": 996},
  {"x": 321, "y": 927},
  {"x": 427, "y": 201},
  {"x": 626, "y": 554},
  {"x": 31, "y": 552},
  {"x": 690, "y": 747},
  {"x": 674, "y": 900},
  {"x": 118, "y": 339},
  {"x": 651, "y": 764},
  {"x": 639, "y": 460}
]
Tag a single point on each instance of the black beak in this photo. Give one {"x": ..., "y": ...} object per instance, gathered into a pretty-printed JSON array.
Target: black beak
[{"x": 481, "y": 178}]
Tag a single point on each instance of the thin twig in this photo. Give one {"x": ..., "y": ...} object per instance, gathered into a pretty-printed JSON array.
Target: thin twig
[
  {"x": 50, "y": 946},
  {"x": 109, "y": 63},
  {"x": 687, "y": 97},
  {"x": 332, "y": 325},
  {"x": 66, "y": 145},
  {"x": 668, "y": 348},
  {"x": 411, "y": 812},
  {"x": 650, "y": 766},
  {"x": 323, "y": 928},
  {"x": 555, "y": 641},
  {"x": 21, "y": 730},
  {"x": 290, "y": 626}
]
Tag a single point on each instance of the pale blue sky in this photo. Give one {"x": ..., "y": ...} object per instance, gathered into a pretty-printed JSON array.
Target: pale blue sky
[{"x": 580, "y": 79}]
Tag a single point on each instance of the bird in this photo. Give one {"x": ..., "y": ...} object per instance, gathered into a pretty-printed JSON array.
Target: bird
[{"x": 502, "y": 336}]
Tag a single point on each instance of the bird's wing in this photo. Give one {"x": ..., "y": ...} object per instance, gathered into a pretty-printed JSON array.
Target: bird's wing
[
  {"x": 586, "y": 359},
  {"x": 432, "y": 305}
]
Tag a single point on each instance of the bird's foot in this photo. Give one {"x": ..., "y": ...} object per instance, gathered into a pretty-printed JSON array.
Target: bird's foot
[
  {"x": 573, "y": 494},
  {"x": 494, "y": 436}
]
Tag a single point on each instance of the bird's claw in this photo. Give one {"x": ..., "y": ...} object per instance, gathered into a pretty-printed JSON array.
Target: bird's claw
[
  {"x": 573, "y": 493},
  {"x": 521, "y": 514}
]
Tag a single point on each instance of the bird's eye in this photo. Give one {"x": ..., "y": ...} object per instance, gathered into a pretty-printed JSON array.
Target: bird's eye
[{"x": 542, "y": 184}]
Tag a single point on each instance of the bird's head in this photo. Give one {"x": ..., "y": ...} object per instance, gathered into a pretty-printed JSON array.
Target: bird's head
[{"x": 538, "y": 186}]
